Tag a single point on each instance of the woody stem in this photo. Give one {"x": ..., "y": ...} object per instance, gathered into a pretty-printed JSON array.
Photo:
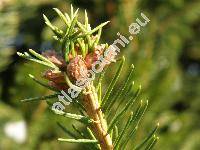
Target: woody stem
[{"x": 99, "y": 126}]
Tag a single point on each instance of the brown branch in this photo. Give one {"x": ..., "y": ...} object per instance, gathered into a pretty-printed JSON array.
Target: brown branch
[{"x": 99, "y": 126}]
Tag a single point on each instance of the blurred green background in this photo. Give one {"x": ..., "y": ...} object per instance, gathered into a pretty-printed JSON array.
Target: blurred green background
[{"x": 166, "y": 55}]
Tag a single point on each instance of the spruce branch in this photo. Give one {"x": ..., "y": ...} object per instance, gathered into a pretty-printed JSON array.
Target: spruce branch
[{"x": 101, "y": 113}]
